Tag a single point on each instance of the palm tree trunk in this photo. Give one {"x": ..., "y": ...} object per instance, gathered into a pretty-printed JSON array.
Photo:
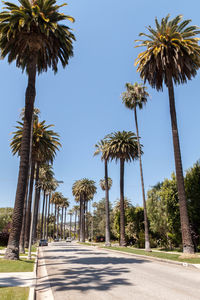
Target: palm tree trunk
[
  {"x": 122, "y": 212},
  {"x": 37, "y": 215},
  {"x": 86, "y": 220},
  {"x": 36, "y": 200},
  {"x": 42, "y": 220},
  {"x": 12, "y": 251},
  {"x": 188, "y": 246},
  {"x": 45, "y": 217},
  {"x": 75, "y": 224},
  {"x": 70, "y": 225},
  {"x": 107, "y": 233},
  {"x": 62, "y": 223},
  {"x": 65, "y": 223},
  {"x": 54, "y": 225},
  {"x": 58, "y": 210},
  {"x": 82, "y": 221},
  {"x": 48, "y": 215},
  {"x": 146, "y": 227},
  {"x": 28, "y": 214},
  {"x": 22, "y": 235}
]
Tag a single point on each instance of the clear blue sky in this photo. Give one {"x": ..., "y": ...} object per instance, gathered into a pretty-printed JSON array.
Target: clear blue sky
[{"x": 83, "y": 100}]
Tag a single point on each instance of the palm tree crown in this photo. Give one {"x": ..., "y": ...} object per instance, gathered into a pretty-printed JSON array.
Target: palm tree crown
[
  {"x": 45, "y": 141},
  {"x": 122, "y": 145},
  {"x": 135, "y": 95},
  {"x": 33, "y": 28},
  {"x": 103, "y": 183},
  {"x": 172, "y": 50},
  {"x": 84, "y": 188}
]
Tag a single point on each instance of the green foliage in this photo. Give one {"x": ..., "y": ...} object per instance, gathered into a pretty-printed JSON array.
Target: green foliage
[
  {"x": 135, "y": 95},
  {"x": 172, "y": 50},
  {"x": 99, "y": 218},
  {"x": 33, "y": 31},
  {"x": 45, "y": 141},
  {"x": 163, "y": 213},
  {"x": 5, "y": 216},
  {"x": 192, "y": 187}
]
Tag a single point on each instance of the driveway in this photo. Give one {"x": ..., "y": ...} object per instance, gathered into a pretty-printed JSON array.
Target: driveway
[{"x": 78, "y": 272}]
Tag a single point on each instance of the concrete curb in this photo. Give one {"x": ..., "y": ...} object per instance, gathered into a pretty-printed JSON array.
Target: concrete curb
[
  {"x": 32, "y": 291},
  {"x": 151, "y": 258},
  {"x": 47, "y": 293}
]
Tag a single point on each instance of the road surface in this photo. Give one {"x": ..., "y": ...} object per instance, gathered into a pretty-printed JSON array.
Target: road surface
[{"x": 78, "y": 272}]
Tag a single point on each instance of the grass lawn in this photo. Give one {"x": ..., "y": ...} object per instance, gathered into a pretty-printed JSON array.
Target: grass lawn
[
  {"x": 14, "y": 293},
  {"x": 162, "y": 255},
  {"x": 2, "y": 247},
  {"x": 21, "y": 265}
]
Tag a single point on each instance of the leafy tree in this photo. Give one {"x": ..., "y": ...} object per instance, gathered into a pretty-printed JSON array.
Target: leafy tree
[
  {"x": 163, "y": 209},
  {"x": 5, "y": 217},
  {"x": 192, "y": 187},
  {"x": 122, "y": 146},
  {"x": 136, "y": 97},
  {"x": 172, "y": 54},
  {"x": 31, "y": 35}
]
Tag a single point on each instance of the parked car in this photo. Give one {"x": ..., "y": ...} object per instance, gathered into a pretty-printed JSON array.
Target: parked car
[
  {"x": 56, "y": 240},
  {"x": 43, "y": 243},
  {"x": 68, "y": 239}
]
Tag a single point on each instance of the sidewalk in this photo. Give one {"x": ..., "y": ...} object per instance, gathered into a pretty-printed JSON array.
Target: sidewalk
[{"x": 20, "y": 279}]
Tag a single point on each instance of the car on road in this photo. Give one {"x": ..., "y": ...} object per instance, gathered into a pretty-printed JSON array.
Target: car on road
[
  {"x": 56, "y": 240},
  {"x": 43, "y": 243},
  {"x": 68, "y": 239}
]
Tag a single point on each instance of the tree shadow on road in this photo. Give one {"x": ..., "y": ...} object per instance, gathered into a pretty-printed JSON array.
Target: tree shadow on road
[{"x": 90, "y": 273}]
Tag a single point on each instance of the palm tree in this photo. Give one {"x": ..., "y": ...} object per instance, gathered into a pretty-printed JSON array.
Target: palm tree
[
  {"x": 172, "y": 54},
  {"x": 31, "y": 35},
  {"x": 45, "y": 143},
  {"x": 136, "y": 96},
  {"x": 122, "y": 146},
  {"x": 70, "y": 213},
  {"x": 57, "y": 199},
  {"x": 75, "y": 210},
  {"x": 83, "y": 190},
  {"x": 101, "y": 148},
  {"x": 65, "y": 205}
]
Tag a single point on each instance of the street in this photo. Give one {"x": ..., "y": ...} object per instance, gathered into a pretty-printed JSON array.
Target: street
[{"x": 78, "y": 272}]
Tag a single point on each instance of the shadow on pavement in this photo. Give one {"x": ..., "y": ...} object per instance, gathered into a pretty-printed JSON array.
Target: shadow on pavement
[{"x": 95, "y": 271}]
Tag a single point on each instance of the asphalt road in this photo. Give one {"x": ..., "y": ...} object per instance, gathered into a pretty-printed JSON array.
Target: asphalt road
[{"x": 78, "y": 272}]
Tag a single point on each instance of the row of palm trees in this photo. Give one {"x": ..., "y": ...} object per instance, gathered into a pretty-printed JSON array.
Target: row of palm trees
[
  {"x": 31, "y": 35},
  {"x": 172, "y": 55}
]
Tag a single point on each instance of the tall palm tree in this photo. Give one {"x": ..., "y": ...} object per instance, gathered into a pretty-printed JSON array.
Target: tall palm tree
[
  {"x": 122, "y": 146},
  {"x": 172, "y": 55},
  {"x": 45, "y": 143},
  {"x": 46, "y": 176},
  {"x": 31, "y": 35},
  {"x": 70, "y": 213},
  {"x": 101, "y": 148},
  {"x": 75, "y": 210},
  {"x": 65, "y": 205},
  {"x": 135, "y": 97},
  {"x": 83, "y": 190},
  {"x": 57, "y": 199}
]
